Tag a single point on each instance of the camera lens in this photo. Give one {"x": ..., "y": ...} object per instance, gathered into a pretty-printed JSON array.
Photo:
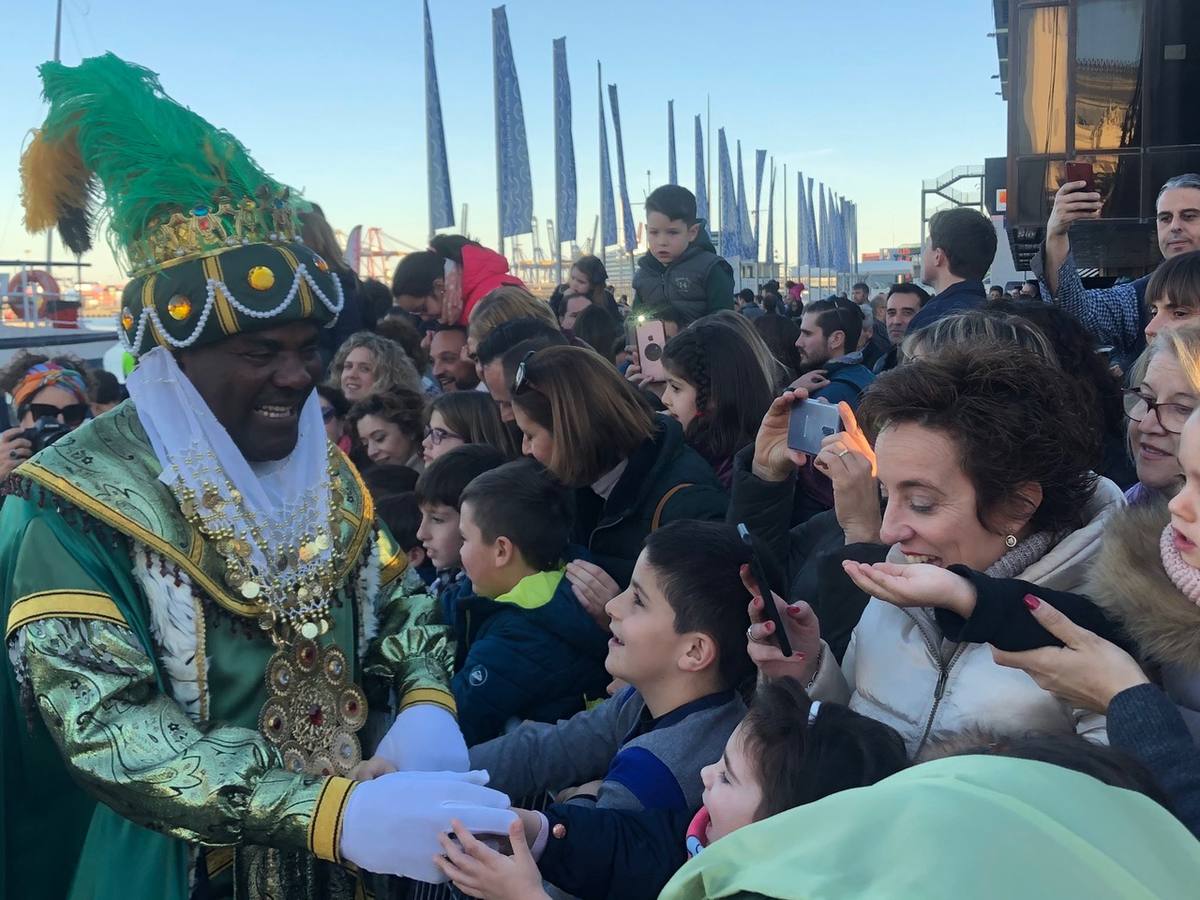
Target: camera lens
[{"x": 653, "y": 352}]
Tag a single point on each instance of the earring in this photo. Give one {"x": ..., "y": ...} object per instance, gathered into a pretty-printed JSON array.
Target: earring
[{"x": 1010, "y": 541}]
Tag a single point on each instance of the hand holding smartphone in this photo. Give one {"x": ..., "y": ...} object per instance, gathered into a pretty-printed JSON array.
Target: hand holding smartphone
[
  {"x": 1082, "y": 171},
  {"x": 764, "y": 591},
  {"x": 651, "y": 339},
  {"x": 811, "y": 422}
]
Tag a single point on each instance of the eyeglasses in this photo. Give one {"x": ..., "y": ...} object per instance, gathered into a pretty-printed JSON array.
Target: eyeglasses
[
  {"x": 1171, "y": 416},
  {"x": 436, "y": 435},
  {"x": 72, "y": 415},
  {"x": 521, "y": 382}
]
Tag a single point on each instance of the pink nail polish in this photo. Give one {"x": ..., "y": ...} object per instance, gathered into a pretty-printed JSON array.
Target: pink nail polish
[{"x": 1032, "y": 602}]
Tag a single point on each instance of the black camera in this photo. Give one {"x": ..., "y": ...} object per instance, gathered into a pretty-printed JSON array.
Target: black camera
[{"x": 45, "y": 431}]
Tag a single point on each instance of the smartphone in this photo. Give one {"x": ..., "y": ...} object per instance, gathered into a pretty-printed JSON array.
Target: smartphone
[
  {"x": 651, "y": 339},
  {"x": 764, "y": 591},
  {"x": 810, "y": 423},
  {"x": 1082, "y": 171}
]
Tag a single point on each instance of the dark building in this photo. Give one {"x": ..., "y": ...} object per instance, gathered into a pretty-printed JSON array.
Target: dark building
[{"x": 1112, "y": 82}]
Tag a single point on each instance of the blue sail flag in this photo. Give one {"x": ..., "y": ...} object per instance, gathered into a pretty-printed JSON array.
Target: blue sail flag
[
  {"x": 770, "y": 246},
  {"x": 672, "y": 169},
  {"x": 608, "y": 208},
  {"x": 441, "y": 207},
  {"x": 701, "y": 186},
  {"x": 728, "y": 197},
  {"x": 827, "y": 249},
  {"x": 747, "y": 246},
  {"x": 565, "y": 196},
  {"x": 823, "y": 257},
  {"x": 512, "y": 151},
  {"x": 801, "y": 222},
  {"x": 814, "y": 247},
  {"x": 627, "y": 229},
  {"x": 844, "y": 232},
  {"x": 760, "y": 160}
]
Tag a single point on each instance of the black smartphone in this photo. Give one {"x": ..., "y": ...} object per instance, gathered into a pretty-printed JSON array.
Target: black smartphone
[{"x": 764, "y": 590}]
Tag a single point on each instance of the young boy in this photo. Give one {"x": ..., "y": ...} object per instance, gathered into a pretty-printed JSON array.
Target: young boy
[
  {"x": 681, "y": 269},
  {"x": 438, "y": 491},
  {"x": 402, "y": 515},
  {"x": 527, "y": 649},
  {"x": 679, "y": 640}
]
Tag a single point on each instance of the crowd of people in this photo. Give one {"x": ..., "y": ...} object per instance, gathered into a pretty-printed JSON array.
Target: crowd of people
[{"x": 688, "y": 654}]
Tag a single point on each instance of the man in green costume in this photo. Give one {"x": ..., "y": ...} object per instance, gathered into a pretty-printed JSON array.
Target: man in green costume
[{"x": 198, "y": 599}]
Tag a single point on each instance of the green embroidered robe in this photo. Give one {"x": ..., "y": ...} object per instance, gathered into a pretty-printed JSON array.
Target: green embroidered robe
[{"x": 133, "y": 766}]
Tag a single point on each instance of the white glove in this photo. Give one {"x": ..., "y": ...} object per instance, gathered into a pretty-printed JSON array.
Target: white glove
[
  {"x": 392, "y": 823},
  {"x": 425, "y": 738}
]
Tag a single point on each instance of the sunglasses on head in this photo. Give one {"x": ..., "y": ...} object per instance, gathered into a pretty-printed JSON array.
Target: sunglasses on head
[
  {"x": 72, "y": 415},
  {"x": 521, "y": 382}
]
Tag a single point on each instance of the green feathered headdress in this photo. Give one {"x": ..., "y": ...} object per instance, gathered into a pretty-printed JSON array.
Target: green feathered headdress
[{"x": 212, "y": 243}]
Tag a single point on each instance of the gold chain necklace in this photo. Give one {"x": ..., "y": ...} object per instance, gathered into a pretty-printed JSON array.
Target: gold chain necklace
[{"x": 313, "y": 710}]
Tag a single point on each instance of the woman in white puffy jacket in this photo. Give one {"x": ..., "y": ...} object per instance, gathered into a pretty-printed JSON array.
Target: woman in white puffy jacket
[{"x": 984, "y": 455}]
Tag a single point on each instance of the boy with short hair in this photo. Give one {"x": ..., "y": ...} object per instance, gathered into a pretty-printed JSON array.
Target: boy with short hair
[
  {"x": 402, "y": 515},
  {"x": 682, "y": 268},
  {"x": 679, "y": 640},
  {"x": 438, "y": 491},
  {"x": 527, "y": 649}
]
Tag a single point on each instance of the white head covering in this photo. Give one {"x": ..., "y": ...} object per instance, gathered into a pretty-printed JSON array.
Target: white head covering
[{"x": 288, "y": 498}]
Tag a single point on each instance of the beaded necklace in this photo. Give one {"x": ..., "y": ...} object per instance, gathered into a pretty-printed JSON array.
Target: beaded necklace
[{"x": 313, "y": 710}]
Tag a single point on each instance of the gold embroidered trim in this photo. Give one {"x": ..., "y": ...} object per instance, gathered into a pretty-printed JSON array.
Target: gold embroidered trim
[
  {"x": 62, "y": 605},
  {"x": 433, "y": 696},
  {"x": 325, "y": 827}
]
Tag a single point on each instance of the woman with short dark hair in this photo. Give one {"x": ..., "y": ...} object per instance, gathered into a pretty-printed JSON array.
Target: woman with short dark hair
[{"x": 986, "y": 455}]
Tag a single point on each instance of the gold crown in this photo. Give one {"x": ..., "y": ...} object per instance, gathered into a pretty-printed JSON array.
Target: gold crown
[{"x": 267, "y": 217}]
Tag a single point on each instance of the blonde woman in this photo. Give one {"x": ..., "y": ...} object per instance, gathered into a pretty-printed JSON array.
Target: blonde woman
[{"x": 369, "y": 364}]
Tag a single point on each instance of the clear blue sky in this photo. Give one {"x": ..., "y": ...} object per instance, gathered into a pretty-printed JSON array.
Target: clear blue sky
[{"x": 870, "y": 96}]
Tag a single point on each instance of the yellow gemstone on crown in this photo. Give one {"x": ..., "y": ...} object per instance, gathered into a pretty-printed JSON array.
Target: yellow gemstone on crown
[
  {"x": 261, "y": 278},
  {"x": 126, "y": 319},
  {"x": 179, "y": 307}
]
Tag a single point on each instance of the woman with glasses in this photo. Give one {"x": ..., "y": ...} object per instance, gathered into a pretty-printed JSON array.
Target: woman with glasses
[
  {"x": 465, "y": 417},
  {"x": 630, "y": 469},
  {"x": 50, "y": 396},
  {"x": 1165, "y": 389}
]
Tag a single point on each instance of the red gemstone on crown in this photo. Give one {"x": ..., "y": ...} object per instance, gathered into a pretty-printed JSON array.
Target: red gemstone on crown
[
  {"x": 352, "y": 707},
  {"x": 275, "y": 723},
  {"x": 316, "y": 716}
]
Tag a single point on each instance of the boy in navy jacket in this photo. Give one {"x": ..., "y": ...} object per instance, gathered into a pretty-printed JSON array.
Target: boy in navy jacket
[{"x": 527, "y": 650}]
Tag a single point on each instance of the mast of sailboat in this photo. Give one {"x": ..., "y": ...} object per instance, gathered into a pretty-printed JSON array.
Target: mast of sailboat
[{"x": 57, "y": 54}]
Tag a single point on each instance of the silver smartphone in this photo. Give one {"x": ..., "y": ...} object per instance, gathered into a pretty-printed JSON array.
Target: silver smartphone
[{"x": 811, "y": 422}]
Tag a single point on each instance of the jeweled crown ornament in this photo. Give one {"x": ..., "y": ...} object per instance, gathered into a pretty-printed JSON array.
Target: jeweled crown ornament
[{"x": 211, "y": 242}]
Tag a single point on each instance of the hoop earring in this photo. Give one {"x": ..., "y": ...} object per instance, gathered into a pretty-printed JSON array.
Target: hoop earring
[{"x": 1010, "y": 541}]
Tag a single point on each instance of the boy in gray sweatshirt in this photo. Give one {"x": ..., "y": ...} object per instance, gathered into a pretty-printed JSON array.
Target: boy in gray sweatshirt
[{"x": 679, "y": 642}]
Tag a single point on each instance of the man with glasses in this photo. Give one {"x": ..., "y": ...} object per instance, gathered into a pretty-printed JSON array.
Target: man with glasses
[
  {"x": 833, "y": 368},
  {"x": 1117, "y": 315}
]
